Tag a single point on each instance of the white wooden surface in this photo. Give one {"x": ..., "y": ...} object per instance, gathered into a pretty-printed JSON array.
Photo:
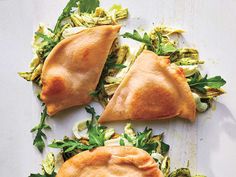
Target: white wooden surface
[{"x": 209, "y": 144}]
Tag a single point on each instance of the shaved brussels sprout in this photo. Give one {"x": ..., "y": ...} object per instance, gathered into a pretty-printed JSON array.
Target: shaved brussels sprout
[
  {"x": 99, "y": 17},
  {"x": 71, "y": 31},
  {"x": 109, "y": 132},
  {"x": 129, "y": 130},
  {"x": 80, "y": 129},
  {"x": 116, "y": 142},
  {"x": 189, "y": 70},
  {"x": 48, "y": 164},
  {"x": 157, "y": 157},
  {"x": 165, "y": 166}
]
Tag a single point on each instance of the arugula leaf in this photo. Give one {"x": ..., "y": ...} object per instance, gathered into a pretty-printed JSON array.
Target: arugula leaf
[
  {"x": 84, "y": 6},
  {"x": 88, "y": 6},
  {"x": 40, "y": 135},
  {"x": 164, "y": 48},
  {"x": 128, "y": 138},
  {"x": 199, "y": 83},
  {"x": 143, "y": 141},
  {"x": 164, "y": 148},
  {"x": 89, "y": 109},
  {"x": 161, "y": 48},
  {"x": 137, "y": 37},
  {"x": 65, "y": 13},
  {"x": 68, "y": 145},
  {"x": 96, "y": 132}
]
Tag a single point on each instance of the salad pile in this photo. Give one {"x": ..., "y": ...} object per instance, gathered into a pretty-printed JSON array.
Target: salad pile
[
  {"x": 89, "y": 134},
  {"x": 82, "y": 14}
]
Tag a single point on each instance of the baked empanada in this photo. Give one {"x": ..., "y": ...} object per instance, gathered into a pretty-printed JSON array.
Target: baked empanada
[
  {"x": 152, "y": 89},
  {"x": 73, "y": 68},
  {"x": 117, "y": 161}
]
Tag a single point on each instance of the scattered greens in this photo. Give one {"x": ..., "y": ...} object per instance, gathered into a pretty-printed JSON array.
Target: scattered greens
[
  {"x": 158, "y": 45},
  {"x": 136, "y": 36},
  {"x": 143, "y": 141},
  {"x": 40, "y": 135},
  {"x": 102, "y": 136},
  {"x": 96, "y": 132},
  {"x": 65, "y": 14},
  {"x": 96, "y": 137},
  {"x": 70, "y": 147},
  {"x": 82, "y": 14},
  {"x": 201, "y": 84}
]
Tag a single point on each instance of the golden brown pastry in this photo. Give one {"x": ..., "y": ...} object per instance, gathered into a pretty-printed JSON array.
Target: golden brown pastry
[
  {"x": 73, "y": 68},
  {"x": 116, "y": 161},
  {"x": 152, "y": 89}
]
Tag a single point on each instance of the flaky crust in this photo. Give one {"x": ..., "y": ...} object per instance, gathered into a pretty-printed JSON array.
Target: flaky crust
[
  {"x": 152, "y": 89},
  {"x": 73, "y": 68},
  {"x": 118, "y": 161}
]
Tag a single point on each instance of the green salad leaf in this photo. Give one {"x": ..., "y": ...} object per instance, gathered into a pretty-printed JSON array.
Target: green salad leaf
[
  {"x": 96, "y": 132},
  {"x": 200, "y": 83},
  {"x": 137, "y": 37},
  {"x": 69, "y": 145},
  {"x": 143, "y": 141},
  {"x": 40, "y": 135},
  {"x": 159, "y": 46},
  {"x": 88, "y": 6},
  {"x": 65, "y": 14}
]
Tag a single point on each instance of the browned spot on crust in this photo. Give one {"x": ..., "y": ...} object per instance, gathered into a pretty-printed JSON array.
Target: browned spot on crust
[{"x": 54, "y": 86}]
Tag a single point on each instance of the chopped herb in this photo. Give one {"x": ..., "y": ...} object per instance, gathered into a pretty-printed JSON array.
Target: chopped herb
[{"x": 40, "y": 135}]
